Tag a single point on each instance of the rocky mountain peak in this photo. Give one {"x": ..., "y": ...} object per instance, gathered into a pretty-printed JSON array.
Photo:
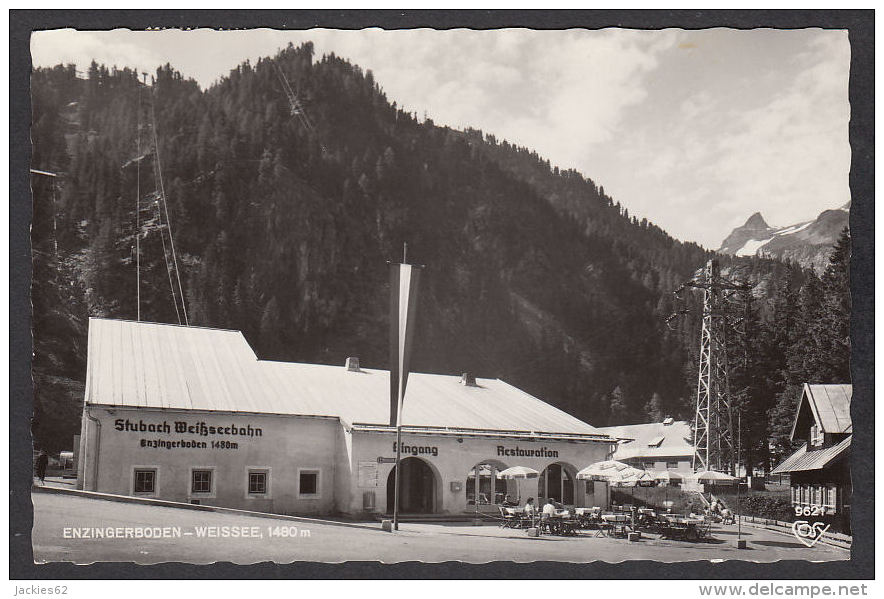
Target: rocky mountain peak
[
  {"x": 808, "y": 243},
  {"x": 756, "y": 221}
]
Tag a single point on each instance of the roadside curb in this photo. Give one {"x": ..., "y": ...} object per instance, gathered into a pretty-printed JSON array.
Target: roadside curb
[{"x": 198, "y": 508}]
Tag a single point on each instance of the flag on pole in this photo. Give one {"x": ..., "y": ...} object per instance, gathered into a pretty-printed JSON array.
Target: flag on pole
[{"x": 403, "y": 307}]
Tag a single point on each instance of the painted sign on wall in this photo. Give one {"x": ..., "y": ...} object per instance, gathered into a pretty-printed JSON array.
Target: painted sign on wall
[{"x": 219, "y": 436}]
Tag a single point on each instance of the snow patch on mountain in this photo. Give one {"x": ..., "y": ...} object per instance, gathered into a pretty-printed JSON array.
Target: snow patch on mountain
[
  {"x": 793, "y": 229},
  {"x": 751, "y": 247},
  {"x": 808, "y": 243}
]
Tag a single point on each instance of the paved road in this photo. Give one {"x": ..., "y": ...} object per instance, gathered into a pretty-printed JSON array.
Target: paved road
[{"x": 330, "y": 543}]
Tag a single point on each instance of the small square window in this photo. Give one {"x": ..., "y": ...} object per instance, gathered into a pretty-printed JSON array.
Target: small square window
[
  {"x": 257, "y": 482},
  {"x": 145, "y": 481},
  {"x": 309, "y": 483},
  {"x": 201, "y": 481}
]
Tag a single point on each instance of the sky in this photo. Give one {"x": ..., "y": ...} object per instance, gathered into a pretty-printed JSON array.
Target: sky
[{"x": 694, "y": 130}]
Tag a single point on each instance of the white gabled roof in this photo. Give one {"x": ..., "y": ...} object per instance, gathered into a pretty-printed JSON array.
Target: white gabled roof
[
  {"x": 174, "y": 367},
  {"x": 652, "y": 440},
  {"x": 163, "y": 366}
]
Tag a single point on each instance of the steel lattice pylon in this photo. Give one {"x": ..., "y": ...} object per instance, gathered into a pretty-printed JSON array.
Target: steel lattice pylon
[
  {"x": 723, "y": 322},
  {"x": 713, "y": 419}
]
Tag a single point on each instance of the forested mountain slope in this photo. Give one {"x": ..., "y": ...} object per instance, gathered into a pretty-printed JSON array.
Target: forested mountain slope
[{"x": 532, "y": 275}]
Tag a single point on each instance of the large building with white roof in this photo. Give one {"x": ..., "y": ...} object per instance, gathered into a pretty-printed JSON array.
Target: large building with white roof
[
  {"x": 655, "y": 446},
  {"x": 191, "y": 414}
]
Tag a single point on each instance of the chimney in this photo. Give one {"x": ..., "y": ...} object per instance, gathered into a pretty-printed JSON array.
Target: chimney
[
  {"x": 468, "y": 380},
  {"x": 352, "y": 365}
]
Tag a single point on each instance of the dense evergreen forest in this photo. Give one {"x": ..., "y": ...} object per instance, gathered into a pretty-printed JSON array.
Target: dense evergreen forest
[{"x": 533, "y": 275}]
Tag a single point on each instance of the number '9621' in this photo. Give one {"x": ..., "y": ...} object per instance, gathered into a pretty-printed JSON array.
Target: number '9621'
[{"x": 810, "y": 510}]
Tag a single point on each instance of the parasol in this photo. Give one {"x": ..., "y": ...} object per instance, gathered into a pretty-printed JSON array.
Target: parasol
[
  {"x": 518, "y": 473},
  {"x": 713, "y": 477}
]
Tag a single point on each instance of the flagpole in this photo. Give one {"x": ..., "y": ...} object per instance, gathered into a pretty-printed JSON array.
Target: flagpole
[
  {"x": 398, "y": 430},
  {"x": 398, "y": 456},
  {"x": 396, "y": 477}
]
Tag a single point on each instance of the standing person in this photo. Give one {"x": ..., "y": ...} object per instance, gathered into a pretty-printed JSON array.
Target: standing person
[{"x": 42, "y": 462}]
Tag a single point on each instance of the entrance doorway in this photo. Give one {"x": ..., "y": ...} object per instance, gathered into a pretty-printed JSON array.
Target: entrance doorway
[
  {"x": 417, "y": 488},
  {"x": 556, "y": 482}
]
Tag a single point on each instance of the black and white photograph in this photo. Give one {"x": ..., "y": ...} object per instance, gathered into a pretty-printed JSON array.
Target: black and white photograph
[{"x": 508, "y": 294}]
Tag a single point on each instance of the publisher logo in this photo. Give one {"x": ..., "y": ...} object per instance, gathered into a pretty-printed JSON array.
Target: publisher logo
[{"x": 809, "y": 533}]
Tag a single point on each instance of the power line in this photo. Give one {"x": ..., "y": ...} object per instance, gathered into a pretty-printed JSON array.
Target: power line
[
  {"x": 138, "y": 209},
  {"x": 166, "y": 256},
  {"x": 296, "y": 107},
  {"x": 156, "y": 205},
  {"x": 162, "y": 191}
]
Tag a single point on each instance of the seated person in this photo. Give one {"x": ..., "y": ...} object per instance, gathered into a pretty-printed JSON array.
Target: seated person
[
  {"x": 530, "y": 508},
  {"x": 508, "y": 502},
  {"x": 548, "y": 516}
]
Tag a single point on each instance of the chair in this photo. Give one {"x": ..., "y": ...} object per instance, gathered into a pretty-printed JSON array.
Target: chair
[
  {"x": 508, "y": 519},
  {"x": 526, "y": 520},
  {"x": 546, "y": 524},
  {"x": 704, "y": 528},
  {"x": 570, "y": 526}
]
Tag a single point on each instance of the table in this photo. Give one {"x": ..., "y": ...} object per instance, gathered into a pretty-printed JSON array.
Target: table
[
  {"x": 646, "y": 517},
  {"x": 588, "y": 516},
  {"x": 619, "y": 524},
  {"x": 682, "y": 527},
  {"x": 518, "y": 517}
]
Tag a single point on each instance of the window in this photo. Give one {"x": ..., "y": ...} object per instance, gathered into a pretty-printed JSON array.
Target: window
[
  {"x": 672, "y": 465},
  {"x": 308, "y": 483},
  {"x": 257, "y": 482},
  {"x": 648, "y": 465},
  {"x": 145, "y": 481},
  {"x": 816, "y": 436},
  {"x": 201, "y": 481}
]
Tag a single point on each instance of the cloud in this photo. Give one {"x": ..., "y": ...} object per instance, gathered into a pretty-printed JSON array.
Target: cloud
[
  {"x": 716, "y": 149},
  {"x": 82, "y": 47},
  {"x": 695, "y": 130}
]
